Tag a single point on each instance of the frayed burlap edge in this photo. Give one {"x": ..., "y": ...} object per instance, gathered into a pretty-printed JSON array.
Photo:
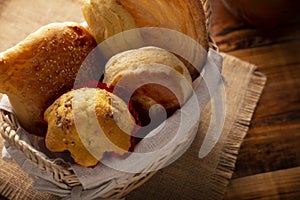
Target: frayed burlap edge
[{"x": 231, "y": 147}]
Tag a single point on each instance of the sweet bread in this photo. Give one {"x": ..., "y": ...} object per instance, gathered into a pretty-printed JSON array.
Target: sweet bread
[{"x": 88, "y": 122}]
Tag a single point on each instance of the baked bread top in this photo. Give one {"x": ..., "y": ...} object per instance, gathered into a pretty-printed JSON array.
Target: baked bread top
[
  {"x": 184, "y": 16},
  {"x": 106, "y": 18},
  {"x": 89, "y": 122},
  {"x": 149, "y": 76},
  {"x": 42, "y": 67},
  {"x": 133, "y": 59}
]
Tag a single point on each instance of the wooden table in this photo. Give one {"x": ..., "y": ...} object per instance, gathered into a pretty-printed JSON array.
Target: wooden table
[{"x": 268, "y": 165}]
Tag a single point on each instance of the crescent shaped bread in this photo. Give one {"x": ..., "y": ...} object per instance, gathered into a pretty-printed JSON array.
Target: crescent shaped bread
[
  {"x": 41, "y": 68},
  {"x": 149, "y": 76},
  {"x": 88, "y": 122}
]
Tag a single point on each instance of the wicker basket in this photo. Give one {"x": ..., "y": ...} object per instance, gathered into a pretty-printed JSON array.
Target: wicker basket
[{"x": 63, "y": 172}]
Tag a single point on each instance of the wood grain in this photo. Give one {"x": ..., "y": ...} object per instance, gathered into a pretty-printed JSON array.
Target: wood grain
[
  {"x": 268, "y": 162},
  {"x": 268, "y": 165},
  {"x": 232, "y": 34},
  {"x": 274, "y": 137},
  {"x": 283, "y": 184}
]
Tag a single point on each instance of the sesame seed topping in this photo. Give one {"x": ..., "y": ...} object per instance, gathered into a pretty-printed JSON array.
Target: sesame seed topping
[{"x": 73, "y": 143}]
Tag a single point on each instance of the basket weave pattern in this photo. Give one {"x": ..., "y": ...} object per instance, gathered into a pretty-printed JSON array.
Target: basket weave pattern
[{"x": 62, "y": 171}]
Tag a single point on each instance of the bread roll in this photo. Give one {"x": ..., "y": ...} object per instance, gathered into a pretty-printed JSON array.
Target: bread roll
[
  {"x": 149, "y": 76},
  {"x": 41, "y": 68},
  {"x": 106, "y": 18},
  {"x": 88, "y": 122}
]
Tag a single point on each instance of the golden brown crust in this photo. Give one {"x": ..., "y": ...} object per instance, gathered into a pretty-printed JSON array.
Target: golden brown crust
[
  {"x": 41, "y": 68},
  {"x": 152, "y": 74},
  {"x": 106, "y": 18},
  {"x": 184, "y": 16},
  {"x": 89, "y": 122},
  {"x": 132, "y": 59},
  {"x": 115, "y": 16}
]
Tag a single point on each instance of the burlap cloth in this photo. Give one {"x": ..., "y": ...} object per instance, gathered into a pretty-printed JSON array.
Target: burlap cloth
[{"x": 189, "y": 177}]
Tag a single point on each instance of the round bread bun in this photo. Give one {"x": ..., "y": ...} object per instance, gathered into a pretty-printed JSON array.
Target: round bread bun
[
  {"x": 106, "y": 18},
  {"x": 41, "y": 68},
  {"x": 88, "y": 122},
  {"x": 149, "y": 76}
]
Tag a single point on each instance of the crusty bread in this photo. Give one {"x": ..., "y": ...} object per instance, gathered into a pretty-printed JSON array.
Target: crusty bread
[
  {"x": 89, "y": 122},
  {"x": 41, "y": 68},
  {"x": 184, "y": 16},
  {"x": 132, "y": 59},
  {"x": 109, "y": 17},
  {"x": 149, "y": 76},
  {"x": 106, "y": 18}
]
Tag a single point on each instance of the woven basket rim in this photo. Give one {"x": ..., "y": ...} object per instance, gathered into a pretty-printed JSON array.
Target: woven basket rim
[{"x": 61, "y": 170}]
